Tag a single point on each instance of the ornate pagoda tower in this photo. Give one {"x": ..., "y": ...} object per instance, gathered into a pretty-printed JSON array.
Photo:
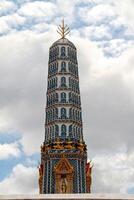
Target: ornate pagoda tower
[{"x": 64, "y": 167}]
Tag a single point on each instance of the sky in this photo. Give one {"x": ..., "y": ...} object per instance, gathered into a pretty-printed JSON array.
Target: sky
[{"x": 103, "y": 33}]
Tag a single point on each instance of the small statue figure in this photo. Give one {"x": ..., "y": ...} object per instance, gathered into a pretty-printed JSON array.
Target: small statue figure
[{"x": 64, "y": 186}]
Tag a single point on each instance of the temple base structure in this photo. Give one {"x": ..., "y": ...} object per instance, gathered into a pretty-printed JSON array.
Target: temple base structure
[{"x": 69, "y": 197}]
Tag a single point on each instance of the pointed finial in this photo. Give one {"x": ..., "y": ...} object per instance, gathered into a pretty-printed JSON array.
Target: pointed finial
[{"x": 63, "y": 30}]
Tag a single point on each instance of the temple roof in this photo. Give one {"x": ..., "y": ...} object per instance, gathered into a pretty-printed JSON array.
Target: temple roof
[{"x": 63, "y": 41}]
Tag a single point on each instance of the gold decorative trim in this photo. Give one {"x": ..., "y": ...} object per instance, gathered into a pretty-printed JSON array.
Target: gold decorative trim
[
  {"x": 40, "y": 180},
  {"x": 88, "y": 177},
  {"x": 61, "y": 145}
]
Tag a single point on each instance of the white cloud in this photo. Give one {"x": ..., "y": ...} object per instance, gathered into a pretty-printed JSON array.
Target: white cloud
[
  {"x": 4, "y": 28},
  {"x": 21, "y": 82},
  {"x": 14, "y": 19},
  {"x": 38, "y": 9},
  {"x": 6, "y": 6},
  {"x": 30, "y": 162},
  {"x": 113, "y": 173},
  {"x": 100, "y": 13},
  {"x": 116, "y": 47},
  {"x": 97, "y": 33},
  {"x": 8, "y": 150},
  {"x": 125, "y": 10},
  {"x": 66, "y": 8},
  {"x": 22, "y": 180},
  {"x": 10, "y": 22}
]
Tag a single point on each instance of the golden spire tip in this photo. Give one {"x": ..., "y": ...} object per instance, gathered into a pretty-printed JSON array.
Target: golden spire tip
[{"x": 63, "y": 29}]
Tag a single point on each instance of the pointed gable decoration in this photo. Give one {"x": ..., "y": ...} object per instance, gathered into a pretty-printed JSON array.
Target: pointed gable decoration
[{"x": 63, "y": 167}]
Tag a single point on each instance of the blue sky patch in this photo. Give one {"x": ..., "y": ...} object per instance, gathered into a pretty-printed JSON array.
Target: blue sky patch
[{"x": 9, "y": 137}]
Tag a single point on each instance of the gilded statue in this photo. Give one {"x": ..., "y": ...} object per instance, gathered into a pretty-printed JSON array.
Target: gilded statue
[{"x": 64, "y": 186}]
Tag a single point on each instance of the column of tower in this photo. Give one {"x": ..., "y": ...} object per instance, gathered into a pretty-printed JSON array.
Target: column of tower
[
  {"x": 63, "y": 167},
  {"x": 63, "y": 110}
]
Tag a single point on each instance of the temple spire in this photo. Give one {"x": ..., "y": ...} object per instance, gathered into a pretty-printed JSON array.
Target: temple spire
[
  {"x": 64, "y": 167},
  {"x": 63, "y": 30}
]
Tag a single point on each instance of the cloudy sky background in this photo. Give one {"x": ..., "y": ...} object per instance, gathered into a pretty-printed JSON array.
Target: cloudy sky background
[{"x": 103, "y": 32}]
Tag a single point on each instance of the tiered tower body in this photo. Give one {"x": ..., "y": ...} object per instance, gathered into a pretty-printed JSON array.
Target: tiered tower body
[{"x": 64, "y": 167}]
